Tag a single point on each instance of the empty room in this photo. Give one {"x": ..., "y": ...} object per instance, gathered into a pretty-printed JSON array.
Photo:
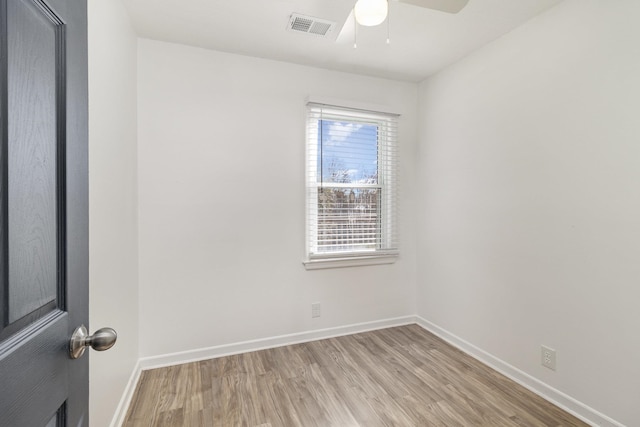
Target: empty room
[{"x": 320, "y": 213}]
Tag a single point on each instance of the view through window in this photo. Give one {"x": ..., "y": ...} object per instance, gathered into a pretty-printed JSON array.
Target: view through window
[{"x": 349, "y": 192}]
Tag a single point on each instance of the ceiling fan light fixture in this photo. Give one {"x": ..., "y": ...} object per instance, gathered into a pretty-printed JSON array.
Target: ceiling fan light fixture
[{"x": 371, "y": 12}]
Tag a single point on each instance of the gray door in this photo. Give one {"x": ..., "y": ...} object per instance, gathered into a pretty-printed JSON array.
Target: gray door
[{"x": 43, "y": 211}]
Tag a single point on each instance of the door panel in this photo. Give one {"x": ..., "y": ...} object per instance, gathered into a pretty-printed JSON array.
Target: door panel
[
  {"x": 31, "y": 157},
  {"x": 43, "y": 211}
]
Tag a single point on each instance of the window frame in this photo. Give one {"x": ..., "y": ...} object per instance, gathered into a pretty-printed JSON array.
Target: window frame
[{"x": 386, "y": 250}]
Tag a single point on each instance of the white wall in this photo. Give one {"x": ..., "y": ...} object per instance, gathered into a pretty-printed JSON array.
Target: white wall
[
  {"x": 530, "y": 213},
  {"x": 112, "y": 202},
  {"x": 221, "y": 196}
]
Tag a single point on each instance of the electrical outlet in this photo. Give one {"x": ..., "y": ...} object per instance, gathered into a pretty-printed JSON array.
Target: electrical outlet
[
  {"x": 315, "y": 309},
  {"x": 548, "y": 358}
]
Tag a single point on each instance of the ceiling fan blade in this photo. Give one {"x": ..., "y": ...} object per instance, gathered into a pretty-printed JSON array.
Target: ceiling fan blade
[{"x": 449, "y": 6}]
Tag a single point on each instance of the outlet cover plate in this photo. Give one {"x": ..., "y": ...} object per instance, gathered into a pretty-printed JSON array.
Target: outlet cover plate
[
  {"x": 315, "y": 309},
  {"x": 548, "y": 357}
]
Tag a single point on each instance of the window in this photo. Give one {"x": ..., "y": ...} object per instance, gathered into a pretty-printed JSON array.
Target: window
[{"x": 351, "y": 187}]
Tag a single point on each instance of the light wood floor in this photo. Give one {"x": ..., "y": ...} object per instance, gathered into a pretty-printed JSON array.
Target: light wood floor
[{"x": 401, "y": 376}]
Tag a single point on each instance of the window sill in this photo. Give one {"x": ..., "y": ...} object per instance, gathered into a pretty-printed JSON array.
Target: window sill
[{"x": 322, "y": 263}]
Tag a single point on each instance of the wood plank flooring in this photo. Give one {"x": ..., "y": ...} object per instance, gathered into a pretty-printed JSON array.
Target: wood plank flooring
[{"x": 402, "y": 376}]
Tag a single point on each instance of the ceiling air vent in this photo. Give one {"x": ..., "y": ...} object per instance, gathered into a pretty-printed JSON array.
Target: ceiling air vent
[{"x": 310, "y": 25}]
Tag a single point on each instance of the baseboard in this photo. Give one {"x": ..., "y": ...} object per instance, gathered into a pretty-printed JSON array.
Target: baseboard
[
  {"x": 265, "y": 343},
  {"x": 558, "y": 398},
  {"x": 125, "y": 400}
]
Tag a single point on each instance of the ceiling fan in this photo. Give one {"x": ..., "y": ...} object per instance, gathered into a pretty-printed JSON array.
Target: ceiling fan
[{"x": 374, "y": 12}]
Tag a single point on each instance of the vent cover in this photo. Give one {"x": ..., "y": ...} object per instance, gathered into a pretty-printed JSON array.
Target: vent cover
[{"x": 310, "y": 25}]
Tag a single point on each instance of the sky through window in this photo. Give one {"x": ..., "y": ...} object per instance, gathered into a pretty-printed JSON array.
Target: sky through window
[{"x": 348, "y": 152}]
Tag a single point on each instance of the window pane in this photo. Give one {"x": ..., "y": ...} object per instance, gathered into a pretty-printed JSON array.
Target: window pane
[
  {"x": 348, "y": 219},
  {"x": 348, "y": 152},
  {"x": 351, "y": 184}
]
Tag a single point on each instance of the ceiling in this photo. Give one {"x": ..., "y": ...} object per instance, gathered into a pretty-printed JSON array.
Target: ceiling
[{"x": 422, "y": 41}]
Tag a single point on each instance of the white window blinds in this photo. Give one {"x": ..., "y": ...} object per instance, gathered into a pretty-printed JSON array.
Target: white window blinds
[{"x": 351, "y": 183}]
